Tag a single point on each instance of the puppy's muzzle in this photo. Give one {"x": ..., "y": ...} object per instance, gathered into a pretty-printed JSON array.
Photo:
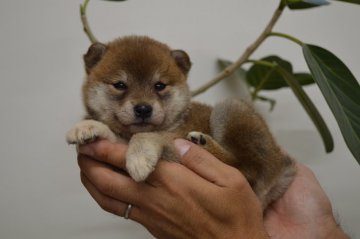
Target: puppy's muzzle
[{"x": 143, "y": 111}]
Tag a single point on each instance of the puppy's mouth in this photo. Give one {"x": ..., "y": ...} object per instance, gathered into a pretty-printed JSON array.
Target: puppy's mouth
[
  {"x": 138, "y": 124},
  {"x": 142, "y": 124},
  {"x": 141, "y": 127}
]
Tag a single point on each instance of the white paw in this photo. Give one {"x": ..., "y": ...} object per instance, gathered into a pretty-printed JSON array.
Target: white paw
[
  {"x": 197, "y": 137},
  {"x": 141, "y": 159},
  {"x": 140, "y": 167},
  {"x": 87, "y": 131}
]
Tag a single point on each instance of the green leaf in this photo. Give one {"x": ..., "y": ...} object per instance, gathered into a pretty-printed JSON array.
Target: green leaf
[
  {"x": 304, "y": 78},
  {"x": 341, "y": 91},
  {"x": 304, "y": 4},
  {"x": 309, "y": 108},
  {"x": 318, "y": 2},
  {"x": 350, "y": 1},
  {"x": 257, "y": 73}
]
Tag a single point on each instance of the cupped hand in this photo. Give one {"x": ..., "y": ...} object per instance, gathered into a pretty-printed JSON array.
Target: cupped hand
[
  {"x": 304, "y": 211},
  {"x": 201, "y": 197},
  {"x": 204, "y": 198}
]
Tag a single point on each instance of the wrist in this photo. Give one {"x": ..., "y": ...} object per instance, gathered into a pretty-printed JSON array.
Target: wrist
[
  {"x": 334, "y": 231},
  {"x": 257, "y": 233},
  {"x": 338, "y": 234},
  {"x": 262, "y": 235}
]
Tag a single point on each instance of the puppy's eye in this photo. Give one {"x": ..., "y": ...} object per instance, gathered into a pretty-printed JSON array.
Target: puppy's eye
[
  {"x": 159, "y": 86},
  {"x": 120, "y": 86}
]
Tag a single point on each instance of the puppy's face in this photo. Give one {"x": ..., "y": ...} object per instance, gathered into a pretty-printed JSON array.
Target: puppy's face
[{"x": 136, "y": 84}]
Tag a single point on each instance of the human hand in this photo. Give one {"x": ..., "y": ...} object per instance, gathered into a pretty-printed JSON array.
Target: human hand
[
  {"x": 199, "y": 198},
  {"x": 304, "y": 211}
]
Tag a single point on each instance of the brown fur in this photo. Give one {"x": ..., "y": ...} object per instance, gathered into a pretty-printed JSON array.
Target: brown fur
[{"x": 231, "y": 130}]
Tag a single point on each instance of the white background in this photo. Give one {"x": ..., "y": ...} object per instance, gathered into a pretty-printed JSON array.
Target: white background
[{"x": 41, "y": 70}]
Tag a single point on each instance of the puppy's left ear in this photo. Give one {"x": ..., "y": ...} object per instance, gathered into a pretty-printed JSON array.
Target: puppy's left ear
[
  {"x": 94, "y": 54},
  {"x": 182, "y": 60}
]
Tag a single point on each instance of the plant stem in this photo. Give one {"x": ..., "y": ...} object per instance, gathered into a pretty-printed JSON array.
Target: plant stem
[
  {"x": 267, "y": 99},
  {"x": 283, "y": 35},
  {"x": 85, "y": 23},
  {"x": 261, "y": 84},
  {"x": 263, "y": 63},
  {"x": 245, "y": 56}
]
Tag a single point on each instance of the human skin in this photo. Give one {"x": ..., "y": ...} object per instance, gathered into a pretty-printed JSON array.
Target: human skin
[
  {"x": 201, "y": 197},
  {"x": 304, "y": 211}
]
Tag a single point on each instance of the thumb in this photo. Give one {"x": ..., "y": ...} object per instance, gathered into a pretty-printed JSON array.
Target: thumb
[{"x": 203, "y": 163}]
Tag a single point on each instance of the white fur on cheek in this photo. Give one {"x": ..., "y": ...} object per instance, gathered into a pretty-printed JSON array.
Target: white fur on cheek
[
  {"x": 125, "y": 113},
  {"x": 98, "y": 100},
  {"x": 158, "y": 114},
  {"x": 178, "y": 103}
]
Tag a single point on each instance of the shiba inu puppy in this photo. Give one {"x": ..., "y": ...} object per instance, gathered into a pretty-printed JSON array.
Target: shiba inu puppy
[{"x": 135, "y": 92}]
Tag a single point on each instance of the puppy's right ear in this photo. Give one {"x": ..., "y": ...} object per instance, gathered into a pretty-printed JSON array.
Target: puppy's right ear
[
  {"x": 93, "y": 55},
  {"x": 182, "y": 60}
]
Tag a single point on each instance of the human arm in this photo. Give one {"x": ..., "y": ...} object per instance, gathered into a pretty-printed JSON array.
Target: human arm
[{"x": 304, "y": 211}]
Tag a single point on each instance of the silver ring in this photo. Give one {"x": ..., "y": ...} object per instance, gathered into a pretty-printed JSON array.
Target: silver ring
[{"x": 127, "y": 211}]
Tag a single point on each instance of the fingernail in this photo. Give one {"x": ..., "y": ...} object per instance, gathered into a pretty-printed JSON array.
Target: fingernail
[
  {"x": 86, "y": 150},
  {"x": 182, "y": 146}
]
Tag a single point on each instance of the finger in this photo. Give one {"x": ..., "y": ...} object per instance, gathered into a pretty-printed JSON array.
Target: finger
[
  {"x": 207, "y": 166},
  {"x": 110, "y": 204},
  {"x": 105, "y": 151},
  {"x": 175, "y": 175},
  {"x": 173, "y": 183},
  {"x": 109, "y": 182}
]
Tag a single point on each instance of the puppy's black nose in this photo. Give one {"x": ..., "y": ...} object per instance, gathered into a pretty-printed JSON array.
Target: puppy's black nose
[{"x": 143, "y": 111}]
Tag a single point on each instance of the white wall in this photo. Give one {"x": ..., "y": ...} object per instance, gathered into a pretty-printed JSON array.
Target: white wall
[{"x": 41, "y": 43}]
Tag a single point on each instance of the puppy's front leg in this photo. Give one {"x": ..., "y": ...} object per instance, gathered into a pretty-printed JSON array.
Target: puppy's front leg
[
  {"x": 87, "y": 131},
  {"x": 145, "y": 149}
]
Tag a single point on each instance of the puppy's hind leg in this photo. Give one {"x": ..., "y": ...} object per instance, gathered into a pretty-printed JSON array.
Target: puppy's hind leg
[
  {"x": 236, "y": 126},
  {"x": 213, "y": 147}
]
